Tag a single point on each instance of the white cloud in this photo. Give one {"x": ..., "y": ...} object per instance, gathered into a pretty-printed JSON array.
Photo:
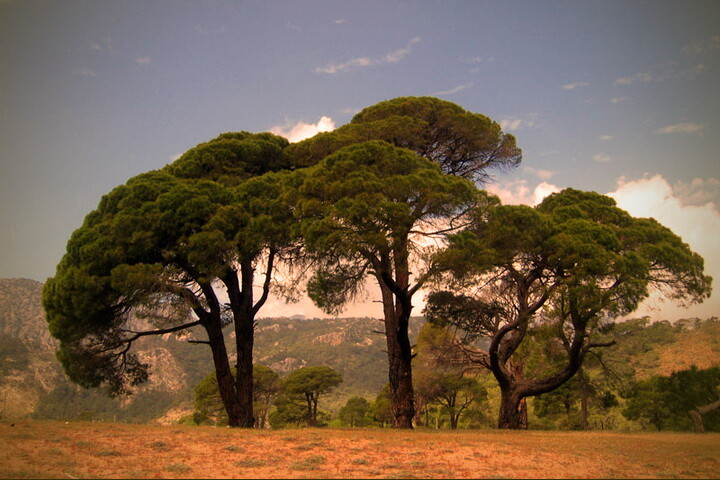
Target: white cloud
[
  {"x": 143, "y": 61},
  {"x": 602, "y": 158},
  {"x": 392, "y": 57},
  {"x": 340, "y": 21},
  {"x": 302, "y": 130},
  {"x": 573, "y": 86},
  {"x": 512, "y": 124},
  {"x": 698, "y": 192},
  {"x": 697, "y": 225},
  {"x": 616, "y": 100},
  {"x": 668, "y": 73},
  {"x": 457, "y": 89},
  {"x": 518, "y": 192},
  {"x": 636, "y": 78},
  {"x": 606, "y": 137},
  {"x": 541, "y": 174},
  {"x": 688, "y": 128}
]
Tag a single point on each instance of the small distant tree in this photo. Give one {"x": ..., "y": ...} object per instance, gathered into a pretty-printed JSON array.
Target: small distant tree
[
  {"x": 266, "y": 386},
  {"x": 381, "y": 408},
  {"x": 311, "y": 383},
  {"x": 354, "y": 412},
  {"x": 209, "y": 404},
  {"x": 440, "y": 374}
]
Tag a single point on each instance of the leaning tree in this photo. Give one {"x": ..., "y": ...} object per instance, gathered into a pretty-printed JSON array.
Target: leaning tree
[
  {"x": 566, "y": 266},
  {"x": 171, "y": 250}
]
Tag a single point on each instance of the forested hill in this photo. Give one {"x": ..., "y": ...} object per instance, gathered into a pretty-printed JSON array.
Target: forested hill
[{"x": 32, "y": 382}]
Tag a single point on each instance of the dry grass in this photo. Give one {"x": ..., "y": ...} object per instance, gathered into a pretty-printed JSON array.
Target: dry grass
[{"x": 97, "y": 450}]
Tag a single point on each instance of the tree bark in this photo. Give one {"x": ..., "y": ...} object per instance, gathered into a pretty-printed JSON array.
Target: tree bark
[
  {"x": 513, "y": 410},
  {"x": 697, "y": 415},
  {"x": 583, "y": 399}
]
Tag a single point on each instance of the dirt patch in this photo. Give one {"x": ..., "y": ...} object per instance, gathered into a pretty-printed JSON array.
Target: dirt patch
[{"x": 98, "y": 450}]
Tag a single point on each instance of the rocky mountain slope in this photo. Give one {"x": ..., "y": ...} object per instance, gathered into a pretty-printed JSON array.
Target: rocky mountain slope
[{"x": 32, "y": 382}]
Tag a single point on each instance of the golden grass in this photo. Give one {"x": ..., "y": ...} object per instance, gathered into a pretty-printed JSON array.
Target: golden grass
[{"x": 100, "y": 450}]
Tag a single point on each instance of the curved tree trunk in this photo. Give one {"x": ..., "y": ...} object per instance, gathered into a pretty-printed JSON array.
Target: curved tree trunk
[{"x": 697, "y": 415}]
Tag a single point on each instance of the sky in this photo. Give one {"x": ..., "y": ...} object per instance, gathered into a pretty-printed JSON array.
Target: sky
[{"x": 617, "y": 97}]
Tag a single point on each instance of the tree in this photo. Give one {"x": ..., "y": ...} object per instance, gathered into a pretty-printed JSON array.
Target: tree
[
  {"x": 365, "y": 210},
  {"x": 209, "y": 404},
  {"x": 311, "y": 383},
  {"x": 266, "y": 386},
  {"x": 354, "y": 411},
  {"x": 381, "y": 408},
  {"x": 160, "y": 252},
  {"x": 678, "y": 401},
  {"x": 440, "y": 374},
  {"x": 565, "y": 266},
  {"x": 463, "y": 143}
]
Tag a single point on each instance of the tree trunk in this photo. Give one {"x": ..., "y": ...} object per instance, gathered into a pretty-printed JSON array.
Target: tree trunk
[
  {"x": 241, "y": 302},
  {"x": 697, "y": 415},
  {"x": 399, "y": 359},
  {"x": 245, "y": 371},
  {"x": 583, "y": 399},
  {"x": 225, "y": 379},
  {"x": 513, "y": 411}
]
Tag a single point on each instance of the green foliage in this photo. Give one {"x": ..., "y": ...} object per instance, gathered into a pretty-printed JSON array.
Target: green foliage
[
  {"x": 354, "y": 412},
  {"x": 665, "y": 401},
  {"x": 462, "y": 143},
  {"x": 380, "y": 409},
  {"x": 209, "y": 407},
  {"x": 147, "y": 261}
]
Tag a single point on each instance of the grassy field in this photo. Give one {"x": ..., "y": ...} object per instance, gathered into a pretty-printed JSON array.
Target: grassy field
[{"x": 104, "y": 450}]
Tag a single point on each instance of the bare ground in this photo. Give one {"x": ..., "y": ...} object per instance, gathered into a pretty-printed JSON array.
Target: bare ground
[{"x": 102, "y": 450}]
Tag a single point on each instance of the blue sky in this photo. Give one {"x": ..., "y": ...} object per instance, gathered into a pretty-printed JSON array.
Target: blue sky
[{"x": 617, "y": 97}]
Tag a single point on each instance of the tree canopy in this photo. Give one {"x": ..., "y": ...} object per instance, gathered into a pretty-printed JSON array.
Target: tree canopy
[
  {"x": 150, "y": 258},
  {"x": 311, "y": 383},
  {"x": 463, "y": 143},
  {"x": 567, "y": 264}
]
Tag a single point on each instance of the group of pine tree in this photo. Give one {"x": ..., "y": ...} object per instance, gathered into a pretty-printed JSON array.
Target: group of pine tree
[{"x": 390, "y": 202}]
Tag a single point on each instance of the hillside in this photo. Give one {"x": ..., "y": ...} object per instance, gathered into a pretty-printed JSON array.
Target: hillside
[{"x": 32, "y": 382}]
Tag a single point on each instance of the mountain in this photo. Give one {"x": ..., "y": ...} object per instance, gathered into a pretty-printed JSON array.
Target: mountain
[{"x": 32, "y": 382}]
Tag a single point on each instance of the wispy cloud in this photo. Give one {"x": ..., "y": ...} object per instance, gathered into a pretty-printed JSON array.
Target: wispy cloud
[
  {"x": 688, "y": 128},
  {"x": 703, "y": 45},
  {"x": 85, "y": 72},
  {"x": 643, "y": 77},
  {"x": 606, "y": 137},
  {"x": 392, "y": 57},
  {"x": 302, "y": 130},
  {"x": 340, "y": 21},
  {"x": 540, "y": 173},
  {"x": 210, "y": 31},
  {"x": 457, "y": 89},
  {"x": 575, "y": 85},
  {"x": 667, "y": 74},
  {"x": 602, "y": 158},
  {"x": 512, "y": 124},
  {"x": 104, "y": 44},
  {"x": 143, "y": 60},
  {"x": 616, "y": 100}
]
